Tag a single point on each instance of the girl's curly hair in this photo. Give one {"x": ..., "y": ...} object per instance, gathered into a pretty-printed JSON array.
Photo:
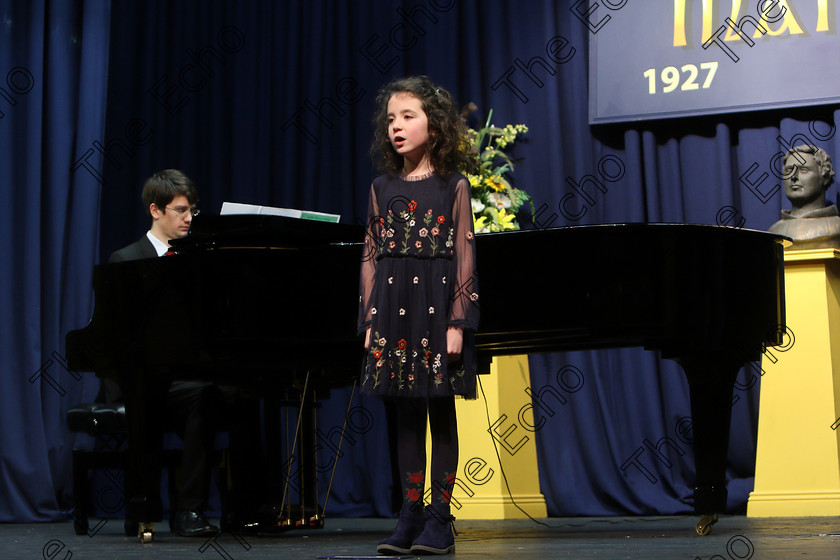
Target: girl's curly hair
[{"x": 447, "y": 148}]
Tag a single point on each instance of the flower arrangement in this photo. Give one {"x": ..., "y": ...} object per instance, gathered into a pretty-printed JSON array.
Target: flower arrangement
[{"x": 495, "y": 201}]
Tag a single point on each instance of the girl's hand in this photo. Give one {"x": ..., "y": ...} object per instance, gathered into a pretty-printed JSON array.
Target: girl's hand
[
  {"x": 367, "y": 339},
  {"x": 454, "y": 343}
]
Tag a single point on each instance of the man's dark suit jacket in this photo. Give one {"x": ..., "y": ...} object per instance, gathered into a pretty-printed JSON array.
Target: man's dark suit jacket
[{"x": 140, "y": 249}]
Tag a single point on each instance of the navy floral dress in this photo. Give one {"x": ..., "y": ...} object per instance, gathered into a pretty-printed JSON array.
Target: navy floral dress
[{"x": 418, "y": 278}]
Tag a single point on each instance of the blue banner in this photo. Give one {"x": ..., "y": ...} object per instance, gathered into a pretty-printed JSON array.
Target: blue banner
[{"x": 676, "y": 58}]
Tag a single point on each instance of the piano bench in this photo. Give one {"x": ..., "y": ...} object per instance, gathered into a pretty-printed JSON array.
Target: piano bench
[{"x": 107, "y": 424}]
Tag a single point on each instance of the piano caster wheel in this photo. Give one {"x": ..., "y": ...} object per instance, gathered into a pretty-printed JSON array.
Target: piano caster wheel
[
  {"x": 704, "y": 526},
  {"x": 145, "y": 532}
]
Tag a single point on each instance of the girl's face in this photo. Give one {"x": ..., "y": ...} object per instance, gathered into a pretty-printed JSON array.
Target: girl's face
[{"x": 408, "y": 126}]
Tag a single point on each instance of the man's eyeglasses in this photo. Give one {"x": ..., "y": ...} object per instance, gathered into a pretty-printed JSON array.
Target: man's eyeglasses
[{"x": 181, "y": 210}]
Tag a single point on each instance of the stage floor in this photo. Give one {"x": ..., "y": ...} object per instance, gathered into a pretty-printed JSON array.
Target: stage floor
[{"x": 604, "y": 538}]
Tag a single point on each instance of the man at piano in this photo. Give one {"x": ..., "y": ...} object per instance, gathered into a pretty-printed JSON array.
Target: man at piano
[{"x": 193, "y": 407}]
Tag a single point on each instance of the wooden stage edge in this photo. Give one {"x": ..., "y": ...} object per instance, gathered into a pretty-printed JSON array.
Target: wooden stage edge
[{"x": 605, "y": 538}]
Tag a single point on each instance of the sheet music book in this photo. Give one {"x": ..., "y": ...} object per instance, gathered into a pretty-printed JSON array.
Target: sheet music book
[{"x": 240, "y": 208}]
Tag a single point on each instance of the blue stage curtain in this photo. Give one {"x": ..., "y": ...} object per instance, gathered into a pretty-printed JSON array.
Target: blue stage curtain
[
  {"x": 54, "y": 56},
  {"x": 270, "y": 103}
]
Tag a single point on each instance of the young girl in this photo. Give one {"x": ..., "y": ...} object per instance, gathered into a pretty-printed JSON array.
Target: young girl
[{"x": 419, "y": 298}]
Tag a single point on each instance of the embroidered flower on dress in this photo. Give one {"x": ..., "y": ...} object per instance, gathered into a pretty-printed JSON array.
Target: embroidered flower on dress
[
  {"x": 401, "y": 343},
  {"x": 390, "y": 279},
  {"x": 411, "y": 223},
  {"x": 429, "y": 212},
  {"x": 377, "y": 354},
  {"x": 435, "y": 231},
  {"x": 424, "y": 342},
  {"x": 418, "y": 244},
  {"x": 474, "y": 296},
  {"x": 444, "y": 279},
  {"x": 382, "y": 341},
  {"x": 412, "y": 206},
  {"x": 423, "y": 232},
  {"x": 470, "y": 235},
  {"x": 441, "y": 219},
  {"x": 402, "y": 311},
  {"x": 373, "y": 311},
  {"x": 431, "y": 311},
  {"x": 416, "y": 280},
  {"x": 391, "y": 244},
  {"x": 411, "y": 377}
]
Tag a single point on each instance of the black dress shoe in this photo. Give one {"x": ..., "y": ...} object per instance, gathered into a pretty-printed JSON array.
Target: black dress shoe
[{"x": 192, "y": 524}]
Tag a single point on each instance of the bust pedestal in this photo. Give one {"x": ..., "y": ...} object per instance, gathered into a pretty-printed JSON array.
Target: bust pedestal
[{"x": 797, "y": 470}]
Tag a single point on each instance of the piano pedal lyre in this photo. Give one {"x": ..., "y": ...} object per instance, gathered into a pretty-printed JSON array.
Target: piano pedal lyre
[{"x": 704, "y": 526}]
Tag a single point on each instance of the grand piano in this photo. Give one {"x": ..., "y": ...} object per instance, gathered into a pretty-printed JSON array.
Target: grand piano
[{"x": 277, "y": 297}]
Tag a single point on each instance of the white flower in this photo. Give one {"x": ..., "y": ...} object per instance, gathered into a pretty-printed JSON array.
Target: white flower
[
  {"x": 500, "y": 200},
  {"x": 402, "y": 311},
  {"x": 424, "y": 342},
  {"x": 390, "y": 279},
  {"x": 444, "y": 279},
  {"x": 431, "y": 310},
  {"x": 382, "y": 341},
  {"x": 423, "y": 232},
  {"x": 373, "y": 311},
  {"x": 477, "y": 205},
  {"x": 411, "y": 223},
  {"x": 416, "y": 280},
  {"x": 474, "y": 296}
]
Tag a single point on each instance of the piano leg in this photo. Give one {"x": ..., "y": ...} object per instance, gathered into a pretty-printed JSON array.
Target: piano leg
[
  {"x": 145, "y": 396},
  {"x": 711, "y": 381}
]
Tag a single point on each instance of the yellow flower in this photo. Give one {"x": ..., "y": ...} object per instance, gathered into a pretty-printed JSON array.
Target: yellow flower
[
  {"x": 495, "y": 182},
  {"x": 474, "y": 180},
  {"x": 480, "y": 223},
  {"x": 506, "y": 220}
]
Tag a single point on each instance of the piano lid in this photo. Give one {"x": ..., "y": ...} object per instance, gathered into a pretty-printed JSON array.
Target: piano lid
[{"x": 213, "y": 231}]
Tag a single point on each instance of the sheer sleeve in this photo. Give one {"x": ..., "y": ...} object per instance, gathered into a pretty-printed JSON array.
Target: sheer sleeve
[
  {"x": 369, "y": 252},
  {"x": 465, "y": 309}
]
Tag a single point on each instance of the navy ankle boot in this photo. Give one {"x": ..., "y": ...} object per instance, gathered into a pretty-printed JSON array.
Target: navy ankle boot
[
  {"x": 438, "y": 536},
  {"x": 409, "y": 527}
]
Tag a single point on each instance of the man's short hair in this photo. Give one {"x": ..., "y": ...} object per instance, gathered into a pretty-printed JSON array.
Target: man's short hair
[
  {"x": 820, "y": 156},
  {"x": 162, "y": 187}
]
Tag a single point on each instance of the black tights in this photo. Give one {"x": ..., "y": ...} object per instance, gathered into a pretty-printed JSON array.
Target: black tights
[{"x": 411, "y": 447}]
